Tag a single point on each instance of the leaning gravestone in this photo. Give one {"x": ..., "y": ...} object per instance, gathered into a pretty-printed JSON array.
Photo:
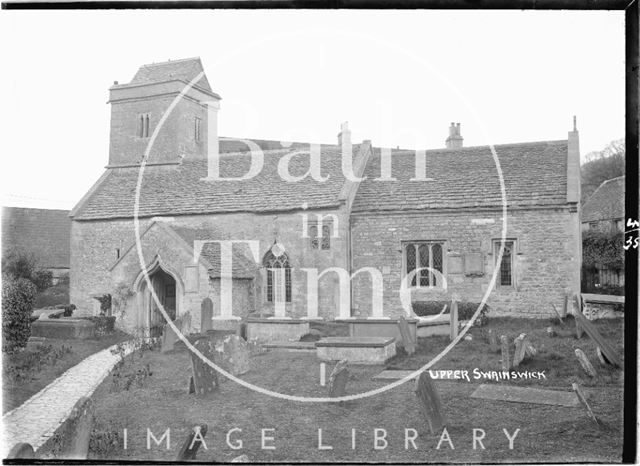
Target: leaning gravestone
[
  {"x": 504, "y": 348},
  {"x": 557, "y": 313},
  {"x": 583, "y": 401},
  {"x": 430, "y": 403},
  {"x": 605, "y": 347},
  {"x": 407, "y": 342},
  {"x": 529, "y": 349},
  {"x": 185, "y": 324},
  {"x": 191, "y": 445},
  {"x": 233, "y": 354},
  {"x": 338, "y": 379},
  {"x": 520, "y": 352},
  {"x": 585, "y": 363},
  {"x": 578, "y": 312},
  {"x": 603, "y": 359},
  {"x": 205, "y": 378}
]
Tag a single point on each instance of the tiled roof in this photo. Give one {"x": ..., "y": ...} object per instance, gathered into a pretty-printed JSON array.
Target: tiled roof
[
  {"x": 607, "y": 202},
  {"x": 181, "y": 190},
  {"x": 242, "y": 265},
  {"x": 185, "y": 70},
  {"x": 43, "y": 232},
  {"x": 534, "y": 174}
]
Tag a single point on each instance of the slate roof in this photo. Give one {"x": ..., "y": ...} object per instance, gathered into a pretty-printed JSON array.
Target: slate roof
[
  {"x": 607, "y": 202},
  {"x": 242, "y": 266},
  {"x": 184, "y": 70},
  {"x": 180, "y": 190},
  {"x": 534, "y": 174},
  {"x": 43, "y": 232}
]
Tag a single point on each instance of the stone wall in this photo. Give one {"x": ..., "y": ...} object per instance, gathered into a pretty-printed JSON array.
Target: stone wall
[
  {"x": 547, "y": 262},
  {"x": 95, "y": 244}
]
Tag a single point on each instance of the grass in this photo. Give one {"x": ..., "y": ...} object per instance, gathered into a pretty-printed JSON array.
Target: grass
[
  {"x": 547, "y": 433},
  {"x": 14, "y": 394},
  {"x": 56, "y": 294}
]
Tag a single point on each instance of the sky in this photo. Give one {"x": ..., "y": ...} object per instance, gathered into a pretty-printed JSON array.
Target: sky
[{"x": 398, "y": 77}]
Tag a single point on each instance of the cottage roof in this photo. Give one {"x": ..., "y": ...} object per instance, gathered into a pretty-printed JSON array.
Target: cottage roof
[
  {"x": 535, "y": 174},
  {"x": 184, "y": 70},
  {"x": 181, "y": 190},
  {"x": 44, "y": 232},
  {"x": 607, "y": 202}
]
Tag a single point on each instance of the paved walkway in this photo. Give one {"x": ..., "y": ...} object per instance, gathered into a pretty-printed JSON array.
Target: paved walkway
[{"x": 35, "y": 420}]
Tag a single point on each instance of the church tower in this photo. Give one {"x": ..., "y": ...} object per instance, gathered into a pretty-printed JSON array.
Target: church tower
[{"x": 138, "y": 107}]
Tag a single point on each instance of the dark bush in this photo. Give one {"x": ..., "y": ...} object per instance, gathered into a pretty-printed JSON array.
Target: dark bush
[
  {"x": 18, "y": 296},
  {"x": 21, "y": 264},
  {"x": 465, "y": 309},
  {"x": 42, "y": 279},
  {"x": 68, "y": 310}
]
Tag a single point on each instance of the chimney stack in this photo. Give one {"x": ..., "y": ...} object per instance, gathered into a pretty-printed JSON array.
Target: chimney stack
[
  {"x": 454, "y": 141},
  {"x": 344, "y": 138}
]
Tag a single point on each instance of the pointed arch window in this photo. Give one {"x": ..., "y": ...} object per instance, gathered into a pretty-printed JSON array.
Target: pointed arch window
[{"x": 278, "y": 277}]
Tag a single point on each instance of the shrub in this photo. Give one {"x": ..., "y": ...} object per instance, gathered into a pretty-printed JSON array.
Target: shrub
[
  {"x": 68, "y": 310},
  {"x": 18, "y": 296},
  {"x": 465, "y": 309},
  {"x": 21, "y": 264},
  {"x": 42, "y": 279},
  {"x": 603, "y": 249},
  {"x": 104, "y": 324}
]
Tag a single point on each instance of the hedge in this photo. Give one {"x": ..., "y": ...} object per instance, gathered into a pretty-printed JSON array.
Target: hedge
[{"x": 18, "y": 296}]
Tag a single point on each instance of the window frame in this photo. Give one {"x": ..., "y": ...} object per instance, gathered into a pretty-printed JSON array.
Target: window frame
[
  {"x": 197, "y": 136},
  {"x": 404, "y": 246},
  {"x": 270, "y": 262},
  {"x": 142, "y": 129},
  {"x": 321, "y": 240},
  {"x": 495, "y": 248}
]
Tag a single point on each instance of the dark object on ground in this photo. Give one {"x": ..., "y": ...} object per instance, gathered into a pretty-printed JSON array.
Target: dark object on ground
[{"x": 188, "y": 451}]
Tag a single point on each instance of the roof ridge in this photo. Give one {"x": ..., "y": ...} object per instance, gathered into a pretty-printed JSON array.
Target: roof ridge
[{"x": 170, "y": 61}]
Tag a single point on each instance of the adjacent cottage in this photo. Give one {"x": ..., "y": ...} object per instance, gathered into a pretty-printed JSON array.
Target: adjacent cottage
[{"x": 433, "y": 218}]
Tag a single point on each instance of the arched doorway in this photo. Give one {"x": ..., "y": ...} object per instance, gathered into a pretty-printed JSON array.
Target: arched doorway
[{"x": 164, "y": 286}]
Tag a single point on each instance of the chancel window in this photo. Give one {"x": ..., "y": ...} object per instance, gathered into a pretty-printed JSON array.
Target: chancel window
[
  {"x": 198, "y": 129},
  {"x": 278, "y": 278},
  {"x": 507, "y": 264},
  {"x": 425, "y": 255}
]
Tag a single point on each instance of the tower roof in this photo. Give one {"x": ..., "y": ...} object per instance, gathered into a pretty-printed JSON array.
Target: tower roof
[{"x": 185, "y": 69}]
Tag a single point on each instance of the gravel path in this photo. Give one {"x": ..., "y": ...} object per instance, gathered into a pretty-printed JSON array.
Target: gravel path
[{"x": 37, "y": 419}]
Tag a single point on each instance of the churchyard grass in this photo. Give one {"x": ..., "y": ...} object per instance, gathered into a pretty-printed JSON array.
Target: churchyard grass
[
  {"x": 547, "y": 433},
  {"x": 22, "y": 379}
]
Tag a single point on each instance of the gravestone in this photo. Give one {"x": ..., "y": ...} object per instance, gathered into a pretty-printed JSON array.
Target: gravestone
[
  {"x": 205, "y": 378},
  {"x": 519, "y": 353},
  {"x": 603, "y": 359},
  {"x": 338, "y": 379},
  {"x": 453, "y": 320},
  {"x": 504, "y": 348},
  {"x": 430, "y": 403},
  {"x": 407, "y": 342},
  {"x": 188, "y": 451},
  {"x": 565, "y": 305},
  {"x": 185, "y": 324},
  {"x": 21, "y": 451},
  {"x": 551, "y": 332},
  {"x": 82, "y": 418},
  {"x": 240, "y": 459},
  {"x": 493, "y": 341},
  {"x": 579, "y": 328},
  {"x": 233, "y": 354},
  {"x": 206, "y": 315},
  {"x": 557, "y": 313},
  {"x": 169, "y": 338},
  {"x": 585, "y": 363},
  {"x": 605, "y": 347},
  {"x": 583, "y": 401},
  {"x": 529, "y": 349}
]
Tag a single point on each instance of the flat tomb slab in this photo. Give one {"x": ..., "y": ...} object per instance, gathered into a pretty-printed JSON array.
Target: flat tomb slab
[
  {"x": 276, "y": 330},
  {"x": 380, "y": 328},
  {"x": 292, "y": 345},
  {"x": 526, "y": 395},
  {"x": 356, "y": 350},
  {"x": 63, "y": 328}
]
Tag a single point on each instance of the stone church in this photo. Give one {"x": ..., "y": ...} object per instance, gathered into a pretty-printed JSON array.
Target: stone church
[{"x": 387, "y": 224}]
